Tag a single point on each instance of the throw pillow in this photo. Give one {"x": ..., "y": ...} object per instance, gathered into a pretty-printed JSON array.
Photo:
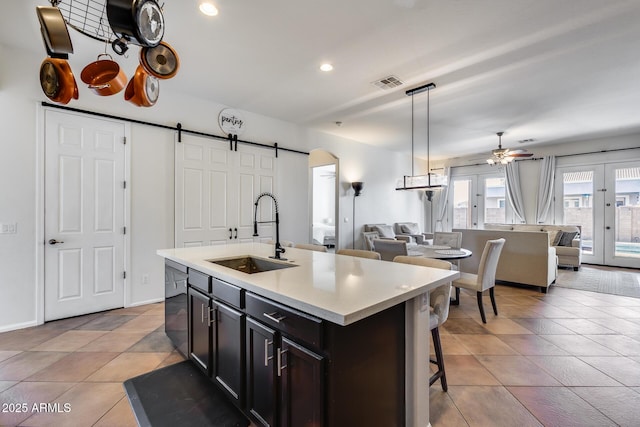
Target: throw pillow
[
  {"x": 554, "y": 237},
  {"x": 567, "y": 238},
  {"x": 410, "y": 228},
  {"x": 385, "y": 231}
]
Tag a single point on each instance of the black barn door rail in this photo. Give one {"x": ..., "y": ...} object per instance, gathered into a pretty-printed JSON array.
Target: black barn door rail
[{"x": 233, "y": 139}]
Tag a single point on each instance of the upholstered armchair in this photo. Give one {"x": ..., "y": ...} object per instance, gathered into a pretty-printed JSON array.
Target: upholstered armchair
[
  {"x": 412, "y": 229},
  {"x": 386, "y": 231}
]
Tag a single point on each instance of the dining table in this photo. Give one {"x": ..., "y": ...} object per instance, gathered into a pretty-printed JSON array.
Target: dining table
[{"x": 439, "y": 252}]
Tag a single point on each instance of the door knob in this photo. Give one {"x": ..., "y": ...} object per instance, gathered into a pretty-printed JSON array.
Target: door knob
[{"x": 54, "y": 242}]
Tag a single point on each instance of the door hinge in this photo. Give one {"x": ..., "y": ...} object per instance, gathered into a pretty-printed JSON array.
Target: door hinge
[
  {"x": 124, "y": 140},
  {"x": 124, "y": 184},
  {"x": 124, "y": 274},
  {"x": 124, "y": 230}
]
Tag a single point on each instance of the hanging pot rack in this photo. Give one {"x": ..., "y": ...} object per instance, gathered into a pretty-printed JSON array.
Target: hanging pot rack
[
  {"x": 91, "y": 18},
  {"x": 88, "y": 17}
]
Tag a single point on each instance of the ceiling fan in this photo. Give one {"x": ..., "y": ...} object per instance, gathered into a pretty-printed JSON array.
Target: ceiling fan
[{"x": 503, "y": 156}]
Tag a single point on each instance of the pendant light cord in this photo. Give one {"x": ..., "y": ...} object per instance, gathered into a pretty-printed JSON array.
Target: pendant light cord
[
  {"x": 412, "y": 132},
  {"x": 428, "y": 148}
]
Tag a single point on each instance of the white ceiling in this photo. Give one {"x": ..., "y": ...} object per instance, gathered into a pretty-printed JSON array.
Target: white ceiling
[{"x": 555, "y": 71}]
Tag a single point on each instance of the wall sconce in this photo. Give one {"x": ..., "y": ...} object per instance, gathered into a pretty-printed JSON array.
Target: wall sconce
[
  {"x": 357, "y": 187},
  {"x": 429, "y": 194}
]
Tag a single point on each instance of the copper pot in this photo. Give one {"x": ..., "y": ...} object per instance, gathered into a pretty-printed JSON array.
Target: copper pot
[
  {"x": 57, "y": 80},
  {"x": 143, "y": 89},
  {"x": 104, "y": 76}
]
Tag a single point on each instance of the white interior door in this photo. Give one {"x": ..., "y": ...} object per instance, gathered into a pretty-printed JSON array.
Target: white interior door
[
  {"x": 216, "y": 189},
  {"x": 84, "y": 215}
]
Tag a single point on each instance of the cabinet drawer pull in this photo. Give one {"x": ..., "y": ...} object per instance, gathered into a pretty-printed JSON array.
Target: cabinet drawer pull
[
  {"x": 280, "y": 365},
  {"x": 275, "y": 316},
  {"x": 202, "y": 313},
  {"x": 267, "y": 343}
]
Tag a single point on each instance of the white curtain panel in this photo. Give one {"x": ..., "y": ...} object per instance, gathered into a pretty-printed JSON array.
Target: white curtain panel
[
  {"x": 514, "y": 191},
  {"x": 545, "y": 188},
  {"x": 441, "y": 202}
]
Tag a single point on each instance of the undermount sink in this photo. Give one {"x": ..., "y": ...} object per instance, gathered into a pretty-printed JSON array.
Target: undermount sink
[{"x": 248, "y": 264}]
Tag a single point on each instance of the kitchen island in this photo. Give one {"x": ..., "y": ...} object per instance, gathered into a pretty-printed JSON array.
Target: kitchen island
[{"x": 355, "y": 329}]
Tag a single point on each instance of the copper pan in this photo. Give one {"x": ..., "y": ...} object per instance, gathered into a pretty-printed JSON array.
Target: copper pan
[
  {"x": 143, "y": 89},
  {"x": 104, "y": 76},
  {"x": 57, "y": 80}
]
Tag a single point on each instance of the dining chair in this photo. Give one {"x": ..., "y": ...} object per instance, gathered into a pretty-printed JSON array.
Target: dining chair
[
  {"x": 311, "y": 247},
  {"x": 439, "y": 301},
  {"x": 389, "y": 249},
  {"x": 359, "y": 253},
  {"x": 369, "y": 237},
  {"x": 453, "y": 239},
  {"x": 486, "y": 277}
]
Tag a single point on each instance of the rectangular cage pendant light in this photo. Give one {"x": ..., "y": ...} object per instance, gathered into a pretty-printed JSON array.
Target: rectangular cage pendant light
[{"x": 430, "y": 181}]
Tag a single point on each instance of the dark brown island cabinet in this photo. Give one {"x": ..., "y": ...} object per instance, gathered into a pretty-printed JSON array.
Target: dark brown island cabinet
[{"x": 284, "y": 367}]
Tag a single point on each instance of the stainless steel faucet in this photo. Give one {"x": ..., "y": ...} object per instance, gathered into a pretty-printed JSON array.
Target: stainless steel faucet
[{"x": 279, "y": 248}]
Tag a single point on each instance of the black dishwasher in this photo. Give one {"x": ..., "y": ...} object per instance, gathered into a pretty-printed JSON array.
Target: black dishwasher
[{"x": 176, "y": 319}]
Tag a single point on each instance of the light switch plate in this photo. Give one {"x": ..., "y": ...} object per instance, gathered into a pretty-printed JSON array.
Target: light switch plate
[{"x": 9, "y": 228}]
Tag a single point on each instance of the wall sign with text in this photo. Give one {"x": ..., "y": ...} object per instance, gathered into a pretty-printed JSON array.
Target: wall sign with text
[{"x": 231, "y": 122}]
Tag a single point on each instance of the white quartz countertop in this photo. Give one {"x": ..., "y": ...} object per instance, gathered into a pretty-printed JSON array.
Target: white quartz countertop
[{"x": 337, "y": 288}]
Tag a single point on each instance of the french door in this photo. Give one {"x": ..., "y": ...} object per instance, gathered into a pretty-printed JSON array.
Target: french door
[
  {"x": 478, "y": 199},
  {"x": 622, "y": 215},
  {"x": 604, "y": 200}
]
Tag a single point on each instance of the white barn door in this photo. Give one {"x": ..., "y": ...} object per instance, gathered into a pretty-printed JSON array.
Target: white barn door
[
  {"x": 215, "y": 191},
  {"x": 84, "y": 257}
]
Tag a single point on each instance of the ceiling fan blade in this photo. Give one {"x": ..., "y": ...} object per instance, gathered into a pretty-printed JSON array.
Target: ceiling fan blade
[
  {"x": 520, "y": 154},
  {"x": 517, "y": 151}
]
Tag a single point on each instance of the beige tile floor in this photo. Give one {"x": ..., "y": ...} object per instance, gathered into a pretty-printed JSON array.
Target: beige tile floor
[{"x": 564, "y": 358}]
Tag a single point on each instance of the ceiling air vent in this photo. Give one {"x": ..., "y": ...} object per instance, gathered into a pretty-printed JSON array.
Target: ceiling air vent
[{"x": 388, "y": 82}]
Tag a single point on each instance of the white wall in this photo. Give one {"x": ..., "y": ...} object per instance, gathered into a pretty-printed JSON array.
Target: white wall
[
  {"x": 152, "y": 184},
  {"x": 379, "y": 202},
  {"x": 18, "y": 189}
]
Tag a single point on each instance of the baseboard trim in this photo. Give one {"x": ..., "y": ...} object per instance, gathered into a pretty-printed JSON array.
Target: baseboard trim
[
  {"x": 17, "y": 326},
  {"x": 151, "y": 301}
]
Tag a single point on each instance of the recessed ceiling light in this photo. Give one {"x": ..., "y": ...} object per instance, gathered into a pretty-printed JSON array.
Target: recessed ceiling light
[
  {"x": 326, "y": 67},
  {"x": 208, "y": 8}
]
